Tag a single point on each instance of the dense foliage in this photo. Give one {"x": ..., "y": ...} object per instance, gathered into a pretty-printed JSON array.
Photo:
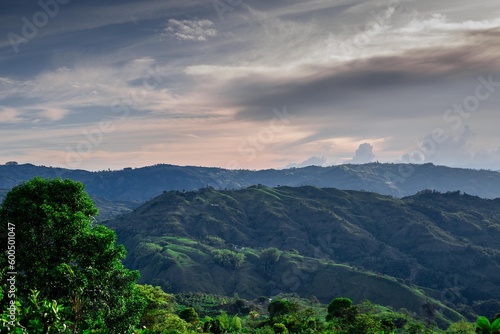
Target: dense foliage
[
  {"x": 64, "y": 262},
  {"x": 432, "y": 253},
  {"x": 228, "y": 259},
  {"x": 69, "y": 279}
]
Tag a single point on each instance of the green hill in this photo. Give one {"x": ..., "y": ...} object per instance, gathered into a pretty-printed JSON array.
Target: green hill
[{"x": 430, "y": 248}]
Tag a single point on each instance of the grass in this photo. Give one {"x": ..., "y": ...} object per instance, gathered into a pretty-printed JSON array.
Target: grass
[
  {"x": 179, "y": 240},
  {"x": 181, "y": 259}
]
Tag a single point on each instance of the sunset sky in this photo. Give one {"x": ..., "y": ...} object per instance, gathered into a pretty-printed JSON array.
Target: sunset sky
[{"x": 249, "y": 84}]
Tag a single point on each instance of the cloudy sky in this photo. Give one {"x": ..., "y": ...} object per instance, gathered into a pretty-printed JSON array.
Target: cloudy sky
[{"x": 249, "y": 83}]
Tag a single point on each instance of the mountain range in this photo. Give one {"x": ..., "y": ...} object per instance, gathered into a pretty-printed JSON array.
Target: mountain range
[
  {"x": 439, "y": 249},
  {"x": 424, "y": 238},
  {"x": 142, "y": 184}
]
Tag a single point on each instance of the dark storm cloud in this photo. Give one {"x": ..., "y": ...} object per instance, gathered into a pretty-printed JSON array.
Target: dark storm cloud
[{"x": 324, "y": 88}]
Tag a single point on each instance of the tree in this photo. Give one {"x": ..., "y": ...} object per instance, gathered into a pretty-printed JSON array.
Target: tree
[
  {"x": 228, "y": 259},
  {"x": 213, "y": 326},
  {"x": 66, "y": 257},
  {"x": 189, "y": 315},
  {"x": 278, "y": 307},
  {"x": 461, "y": 327},
  {"x": 158, "y": 305},
  {"x": 270, "y": 255},
  {"x": 338, "y": 307},
  {"x": 342, "y": 308},
  {"x": 280, "y": 328}
]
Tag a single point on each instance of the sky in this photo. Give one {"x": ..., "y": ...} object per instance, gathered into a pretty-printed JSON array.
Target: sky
[{"x": 250, "y": 84}]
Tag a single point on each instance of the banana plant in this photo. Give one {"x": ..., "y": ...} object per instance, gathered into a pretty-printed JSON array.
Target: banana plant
[{"x": 486, "y": 327}]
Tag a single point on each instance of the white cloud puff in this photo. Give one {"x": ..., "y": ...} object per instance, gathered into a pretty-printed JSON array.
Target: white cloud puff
[{"x": 191, "y": 30}]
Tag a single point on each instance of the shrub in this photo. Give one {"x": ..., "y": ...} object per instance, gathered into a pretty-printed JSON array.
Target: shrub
[{"x": 228, "y": 259}]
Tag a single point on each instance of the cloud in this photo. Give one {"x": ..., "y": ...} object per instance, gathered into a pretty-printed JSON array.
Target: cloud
[
  {"x": 394, "y": 86},
  {"x": 191, "y": 30},
  {"x": 312, "y": 161},
  {"x": 332, "y": 86},
  {"x": 9, "y": 115},
  {"x": 363, "y": 154},
  {"x": 452, "y": 148},
  {"x": 87, "y": 93}
]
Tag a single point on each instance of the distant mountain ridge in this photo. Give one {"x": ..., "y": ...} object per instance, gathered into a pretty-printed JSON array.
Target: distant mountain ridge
[{"x": 142, "y": 184}]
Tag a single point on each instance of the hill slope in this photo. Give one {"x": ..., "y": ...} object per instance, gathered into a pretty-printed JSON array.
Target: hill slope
[
  {"x": 448, "y": 245},
  {"x": 142, "y": 184}
]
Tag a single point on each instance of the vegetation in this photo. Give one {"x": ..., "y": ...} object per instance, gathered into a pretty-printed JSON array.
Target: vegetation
[
  {"x": 69, "y": 277},
  {"x": 433, "y": 254},
  {"x": 486, "y": 327},
  {"x": 228, "y": 259},
  {"x": 69, "y": 270}
]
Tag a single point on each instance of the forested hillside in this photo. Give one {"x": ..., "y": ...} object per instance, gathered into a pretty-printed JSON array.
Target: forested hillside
[
  {"x": 258, "y": 260},
  {"x": 442, "y": 249}
]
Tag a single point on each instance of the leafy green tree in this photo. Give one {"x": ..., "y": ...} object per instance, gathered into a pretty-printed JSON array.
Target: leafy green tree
[
  {"x": 341, "y": 308},
  {"x": 365, "y": 323},
  {"x": 264, "y": 330},
  {"x": 67, "y": 258},
  {"x": 235, "y": 324},
  {"x": 270, "y": 255},
  {"x": 228, "y": 259},
  {"x": 189, "y": 315},
  {"x": 229, "y": 324},
  {"x": 461, "y": 327},
  {"x": 158, "y": 305},
  {"x": 280, "y": 329},
  {"x": 171, "y": 323},
  {"x": 279, "y": 307},
  {"x": 213, "y": 326}
]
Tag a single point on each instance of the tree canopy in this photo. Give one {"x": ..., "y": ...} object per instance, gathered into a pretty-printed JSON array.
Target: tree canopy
[{"x": 64, "y": 256}]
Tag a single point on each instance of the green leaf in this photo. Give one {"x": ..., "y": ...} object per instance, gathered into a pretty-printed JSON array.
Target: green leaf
[
  {"x": 495, "y": 326},
  {"x": 483, "y": 323}
]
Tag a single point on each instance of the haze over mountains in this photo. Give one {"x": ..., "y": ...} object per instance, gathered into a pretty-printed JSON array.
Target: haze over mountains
[{"x": 141, "y": 184}]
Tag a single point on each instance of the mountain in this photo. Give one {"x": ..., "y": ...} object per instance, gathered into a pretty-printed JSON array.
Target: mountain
[
  {"x": 142, "y": 184},
  {"x": 438, "y": 249}
]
